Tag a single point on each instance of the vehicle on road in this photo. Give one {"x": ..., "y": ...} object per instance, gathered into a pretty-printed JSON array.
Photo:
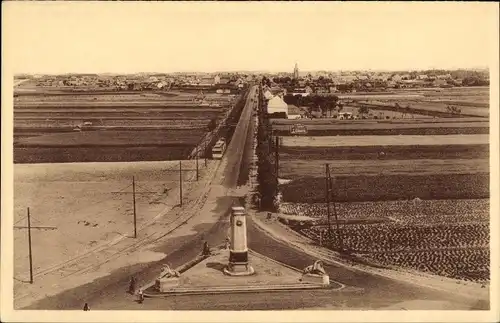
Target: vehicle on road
[{"x": 218, "y": 149}]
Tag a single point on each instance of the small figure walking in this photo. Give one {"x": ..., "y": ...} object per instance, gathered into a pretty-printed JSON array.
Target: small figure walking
[
  {"x": 131, "y": 287},
  {"x": 206, "y": 249},
  {"x": 140, "y": 297},
  {"x": 86, "y": 307}
]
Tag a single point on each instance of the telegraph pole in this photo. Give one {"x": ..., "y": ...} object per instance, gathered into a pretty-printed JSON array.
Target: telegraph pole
[
  {"x": 277, "y": 156},
  {"x": 180, "y": 182},
  {"x": 327, "y": 196},
  {"x": 205, "y": 154},
  {"x": 29, "y": 246},
  {"x": 135, "y": 215},
  {"x": 341, "y": 243},
  {"x": 197, "y": 175}
]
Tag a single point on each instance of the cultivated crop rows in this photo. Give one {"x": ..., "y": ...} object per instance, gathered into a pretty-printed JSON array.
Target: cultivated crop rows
[
  {"x": 360, "y": 188},
  {"x": 388, "y": 237},
  {"x": 463, "y": 264},
  {"x": 455, "y": 250},
  {"x": 410, "y": 212}
]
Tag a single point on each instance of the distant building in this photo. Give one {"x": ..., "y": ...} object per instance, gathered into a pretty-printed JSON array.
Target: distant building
[
  {"x": 268, "y": 95},
  {"x": 294, "y": 112},
  {"x": 439, "y": 82},
  {"x": 396, "y": 78},
  {"x": 277, "y": 106},
  {"x": 296, "y": 71},
  {"x": 223, "y": 80},
  {"x": 207, "y": 81},
  {"x": 301, "y": 91}
]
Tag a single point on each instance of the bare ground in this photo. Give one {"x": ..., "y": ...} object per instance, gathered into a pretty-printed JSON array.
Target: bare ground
[{"x": 91, "y": 207}]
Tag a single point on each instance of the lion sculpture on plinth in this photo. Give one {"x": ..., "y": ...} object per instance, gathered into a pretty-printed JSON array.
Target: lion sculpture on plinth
[
  {"x": 315, "y": 269},
  {"x": 167, "y": 272}
]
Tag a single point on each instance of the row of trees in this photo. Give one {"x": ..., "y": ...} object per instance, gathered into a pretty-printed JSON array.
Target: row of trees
[{"x": 266, "y": 174}]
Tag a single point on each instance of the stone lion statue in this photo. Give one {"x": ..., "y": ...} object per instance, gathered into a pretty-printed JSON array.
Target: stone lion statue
[
  {"x": 315, "y": 269},
  {"x": 167, "y": 272}
]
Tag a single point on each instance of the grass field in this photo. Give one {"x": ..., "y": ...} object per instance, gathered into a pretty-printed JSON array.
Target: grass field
[
  {"x": 391, "y": 152},
  {"x": 89, "y": 204},
  {"x": 111, "y": 138},
  {"x": 329, "y": 127},
  {"x": 115, "y": 127},
  {"x": 35, "y": 155},
  {"x": 292, "y": 169},
  {"x": 417, "y": 104},
  {"x": 355, "y": 141},
  {"x": 358, "y": 188}
]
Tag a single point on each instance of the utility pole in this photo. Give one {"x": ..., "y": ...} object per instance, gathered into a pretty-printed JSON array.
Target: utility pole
[
  {"x": 327, "y": 197},
  {"x": 277, "y": 156},
  {"x": 133, "y": 198},
  {"x": 197, "y": 176},
  {"x": 339, "y": 235},
  {"x": 29, "y": 246},
  {"x": 205, "y": 154},
  {"x": 180, "y": 182}
]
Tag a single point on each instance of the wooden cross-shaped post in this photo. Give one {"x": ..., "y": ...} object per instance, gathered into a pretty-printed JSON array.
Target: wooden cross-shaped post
[{"x": 29, "y": 227}]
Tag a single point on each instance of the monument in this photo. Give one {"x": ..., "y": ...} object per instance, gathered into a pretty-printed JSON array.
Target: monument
[{"x": 238, "y": 252}]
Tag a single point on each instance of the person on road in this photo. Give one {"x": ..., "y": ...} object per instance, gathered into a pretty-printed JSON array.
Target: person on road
[
  {"x": 206, "y": 249},
  {"x": 131, "y": 287},
  {"x": 86, "y": 307},
  {"x": 140, "y": 296}
]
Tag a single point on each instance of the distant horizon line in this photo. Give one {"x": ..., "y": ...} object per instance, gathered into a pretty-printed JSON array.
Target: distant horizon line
[{"x": 260, "y": 71}]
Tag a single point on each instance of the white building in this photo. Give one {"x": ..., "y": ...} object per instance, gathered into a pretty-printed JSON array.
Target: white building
[
  {"x": 268, "y": 95},
  {"x": 277, "y": 105}
]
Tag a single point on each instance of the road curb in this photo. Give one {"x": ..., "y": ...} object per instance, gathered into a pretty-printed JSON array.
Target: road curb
[{"x": 239, "y": 289}]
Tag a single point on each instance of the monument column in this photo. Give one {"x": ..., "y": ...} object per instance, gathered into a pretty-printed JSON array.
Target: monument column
[{"x": 238, "y": 251}]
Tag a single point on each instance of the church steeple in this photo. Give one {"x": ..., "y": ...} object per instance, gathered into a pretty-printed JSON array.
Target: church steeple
[{"x": 296, "y": 71}]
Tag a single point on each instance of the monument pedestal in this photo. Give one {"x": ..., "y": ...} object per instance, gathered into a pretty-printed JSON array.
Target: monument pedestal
[
  {"x": 239, "y": 269},
  {"x": 315, "y": 279},
  {"x": 167, "y": 284}
]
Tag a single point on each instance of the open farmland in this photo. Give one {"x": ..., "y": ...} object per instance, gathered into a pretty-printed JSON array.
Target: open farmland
[
  {"x": 114, "y": 139},
  {"x": 332, "y": 127},
  {"x": 70, "y": 126},
  {"x": 410, "y": 194},
  {"x": 337, "y": 141},
  {"x": 357, "y": 188},
  {"x": 89, "y": 204},
  {"x": 106, "y": 146},
  {"x": 444, "y": 237},
  {"x": 417, "y": 106},
  {"x": 473, "y": 101},
  {"x": 302, "y": 168},
  {"x": 390, "y": 152}
]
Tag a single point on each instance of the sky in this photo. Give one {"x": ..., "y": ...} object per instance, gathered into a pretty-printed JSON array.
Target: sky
[{"x": 130, "y": 37}]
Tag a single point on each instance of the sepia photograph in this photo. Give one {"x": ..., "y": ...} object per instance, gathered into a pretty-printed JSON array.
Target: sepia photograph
[{"x": 248, "y": 162}]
